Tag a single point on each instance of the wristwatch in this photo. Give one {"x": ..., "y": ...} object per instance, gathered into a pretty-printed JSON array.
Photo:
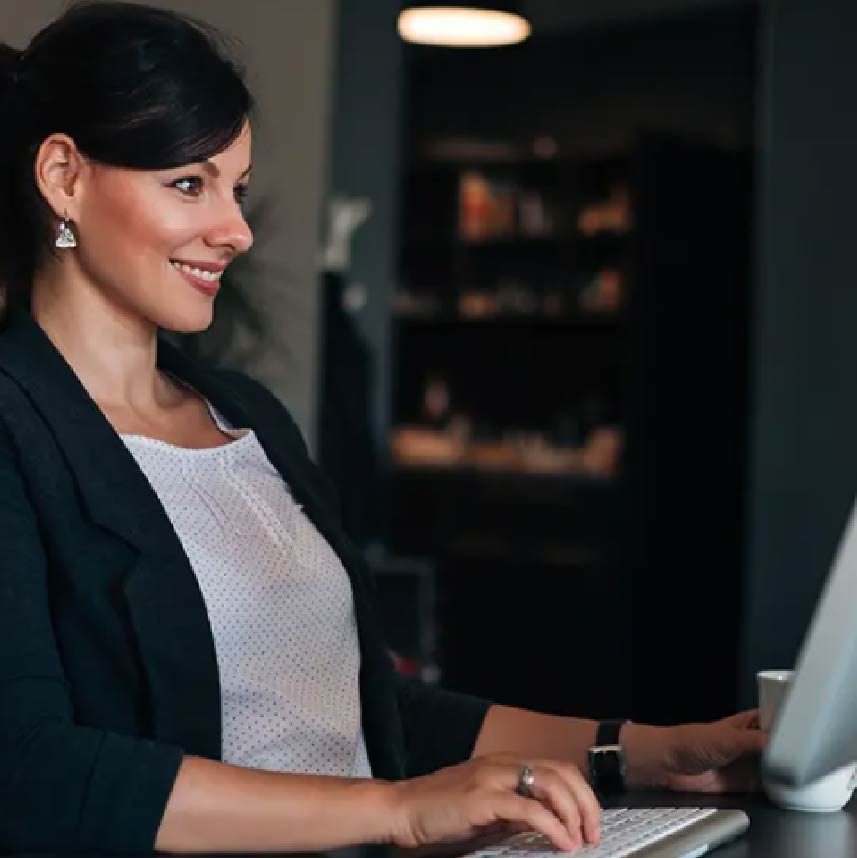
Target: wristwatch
[{"x": 607, "y": 759}]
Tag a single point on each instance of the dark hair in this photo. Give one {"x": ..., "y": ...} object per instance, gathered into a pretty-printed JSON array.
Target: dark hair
[{"x": 133, "y": 85}]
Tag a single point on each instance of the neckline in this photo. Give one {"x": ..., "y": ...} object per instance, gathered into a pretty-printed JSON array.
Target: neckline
[{"x": 238, "y": 435}]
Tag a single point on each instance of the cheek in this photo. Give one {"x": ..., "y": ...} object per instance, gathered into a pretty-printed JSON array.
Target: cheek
[{"x": 131, "y": 228}]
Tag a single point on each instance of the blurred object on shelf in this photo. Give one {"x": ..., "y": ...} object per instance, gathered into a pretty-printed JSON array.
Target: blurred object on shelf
[
  {"x": 436, "y": 401},
  {"x": 498, "y": 455},
  {"x": 419, "y": 445},
  {"x": 513, "y": 299},
  {"x": 602, "y": 451},
  {"x": 604, "y": 293},
  {"x": 486, "y": 207},
  {"x": 492, "y": 208},
  {"x": 610, "y": 215},
  {"x": 538, "y": 455},
  {"x": 407, "y": 303},
  {"x": 529, "y": 452},
  {"x": 474, "y": 304},
  {"x": 545, "y": 147},
  {"x": 533, "y": 217}
]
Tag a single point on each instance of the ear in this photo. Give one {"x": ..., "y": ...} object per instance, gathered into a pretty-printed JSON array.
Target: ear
[{"x": 59, "y": 171}]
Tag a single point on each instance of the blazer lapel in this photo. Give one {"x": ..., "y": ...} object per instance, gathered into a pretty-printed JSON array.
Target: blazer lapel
[
  {"x": 114, "y": 491},
  {"x": 165, "y": 603}
]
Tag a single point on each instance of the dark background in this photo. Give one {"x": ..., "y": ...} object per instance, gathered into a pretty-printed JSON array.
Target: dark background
[{"x": 660, "y": 596}]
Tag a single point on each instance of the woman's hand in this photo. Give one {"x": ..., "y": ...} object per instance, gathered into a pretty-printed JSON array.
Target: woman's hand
[
  {"x": 718, "y": 757},
  {"x": 722, "y": 756},
  {"x": 479, "y": 797}
]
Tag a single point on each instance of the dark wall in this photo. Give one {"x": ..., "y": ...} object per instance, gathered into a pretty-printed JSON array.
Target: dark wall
[
  {"x": 804, "y": 437},
  {"x": 365, "y": 154}
]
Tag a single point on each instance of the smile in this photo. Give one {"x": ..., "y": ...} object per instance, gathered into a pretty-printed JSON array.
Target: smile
[{"x": 210, "y": 276}]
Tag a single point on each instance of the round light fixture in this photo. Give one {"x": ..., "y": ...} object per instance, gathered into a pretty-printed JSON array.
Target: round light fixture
[{"x": 472, "y": 26}]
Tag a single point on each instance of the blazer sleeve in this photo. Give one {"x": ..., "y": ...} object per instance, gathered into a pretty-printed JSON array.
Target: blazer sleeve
[
  {"x": 63, "y": 787},
  {"x": 440, "y": 727}
]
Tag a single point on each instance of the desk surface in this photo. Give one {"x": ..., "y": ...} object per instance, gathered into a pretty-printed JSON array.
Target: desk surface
[{"x": 773, "y": 833}]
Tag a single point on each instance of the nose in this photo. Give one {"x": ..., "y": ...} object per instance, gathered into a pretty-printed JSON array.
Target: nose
[{"x": 233, "y": 231}]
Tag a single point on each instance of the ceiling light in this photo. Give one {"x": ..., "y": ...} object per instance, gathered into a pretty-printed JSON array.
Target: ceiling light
[{"x": 475, "y": 25}]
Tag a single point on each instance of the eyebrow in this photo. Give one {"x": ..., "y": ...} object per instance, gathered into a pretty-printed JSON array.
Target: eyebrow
[{"x": 211, "y": 167}]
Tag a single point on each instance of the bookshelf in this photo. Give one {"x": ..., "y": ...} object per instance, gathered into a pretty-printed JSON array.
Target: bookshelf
[{"x": 569, "y": 347}]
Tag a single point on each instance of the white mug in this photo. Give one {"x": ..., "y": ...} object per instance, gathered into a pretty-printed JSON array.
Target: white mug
[{"x": 833, "y": 791}]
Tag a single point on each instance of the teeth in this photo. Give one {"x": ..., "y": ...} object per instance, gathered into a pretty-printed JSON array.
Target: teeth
[{"x": 197, "y": 272}]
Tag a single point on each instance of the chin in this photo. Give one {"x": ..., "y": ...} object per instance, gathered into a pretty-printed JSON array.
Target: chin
[{"x": 187, "y": 320}]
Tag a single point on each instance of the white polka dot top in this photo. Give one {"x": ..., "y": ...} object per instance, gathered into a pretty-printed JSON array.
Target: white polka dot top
[{"x": 279, "y": 602}]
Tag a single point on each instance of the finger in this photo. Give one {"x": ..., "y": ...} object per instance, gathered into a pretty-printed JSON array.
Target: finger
[
  {"x": 736, "y": 743},
  {"x": 553, "y": 791},
  {"x": 748, "y": 719},
  {"x": 586, "y": 800},
  {"x": 753, "y": 741},
  {"x": 724, "y": 745},
  {"x": 514, "y": 809},
  {"x": 706, "y": 782}
]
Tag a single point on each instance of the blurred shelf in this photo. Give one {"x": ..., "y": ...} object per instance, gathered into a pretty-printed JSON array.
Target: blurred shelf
[
  {"x": 607, "y": 322},
  {"x": 552, "y": 241},
  {"x": 510, "y": 160},
  {"x": 483, "y": 472}
]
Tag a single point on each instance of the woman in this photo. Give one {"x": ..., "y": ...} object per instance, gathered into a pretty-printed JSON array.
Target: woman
[{"x": 190, "y": 656}]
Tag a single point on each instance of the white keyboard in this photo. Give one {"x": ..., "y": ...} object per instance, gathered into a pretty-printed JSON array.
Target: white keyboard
[{"x": 624, "y": 832}]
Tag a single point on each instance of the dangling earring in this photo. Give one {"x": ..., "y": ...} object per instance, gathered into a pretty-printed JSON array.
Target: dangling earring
[{"x": 66, "y": 236}]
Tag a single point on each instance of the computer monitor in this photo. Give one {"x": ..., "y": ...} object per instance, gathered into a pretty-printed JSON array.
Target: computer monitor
[{"x": 816, "y": 730}]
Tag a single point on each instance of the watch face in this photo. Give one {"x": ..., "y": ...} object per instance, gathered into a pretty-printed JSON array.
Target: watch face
[{"x": 608, "y": 768}]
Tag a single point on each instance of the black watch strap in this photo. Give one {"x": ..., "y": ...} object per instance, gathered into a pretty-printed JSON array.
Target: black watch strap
[
  {"x": 606, "y": 758},
  {"x": 608, "y": 731}
]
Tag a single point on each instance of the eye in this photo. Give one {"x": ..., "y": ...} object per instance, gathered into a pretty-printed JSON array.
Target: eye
[
  {"x": 241, "y": 191},
  {"x": 177, "y": 182}
]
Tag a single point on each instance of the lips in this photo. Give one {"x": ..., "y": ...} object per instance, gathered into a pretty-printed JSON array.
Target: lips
[{"x": 207, "y": 287}]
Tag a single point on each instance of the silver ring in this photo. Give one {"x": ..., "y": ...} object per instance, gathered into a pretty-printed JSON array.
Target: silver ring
[{"x": 526, "y": 779}]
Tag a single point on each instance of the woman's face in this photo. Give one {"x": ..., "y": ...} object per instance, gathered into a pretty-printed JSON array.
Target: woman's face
[{"x": 134, "y": 227}]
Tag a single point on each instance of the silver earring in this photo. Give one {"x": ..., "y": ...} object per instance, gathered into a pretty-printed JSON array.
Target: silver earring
[{"x": 66, "y": 236}]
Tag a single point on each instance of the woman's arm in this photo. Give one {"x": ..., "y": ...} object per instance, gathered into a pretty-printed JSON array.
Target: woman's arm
[
  {"x": 217, "y": 807},
  {"x": 562, "y": 738},
  {"x": 713, "y": 757}
]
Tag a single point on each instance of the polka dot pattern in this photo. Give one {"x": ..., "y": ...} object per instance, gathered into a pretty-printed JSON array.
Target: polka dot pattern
[{"x": 279, "y": 602}]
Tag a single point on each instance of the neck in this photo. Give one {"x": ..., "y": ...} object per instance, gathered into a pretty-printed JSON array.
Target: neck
[{"x": 112, "y": 350}]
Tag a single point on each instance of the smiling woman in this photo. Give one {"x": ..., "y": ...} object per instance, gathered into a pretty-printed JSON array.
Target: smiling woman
[
  {"x": 144, "y": 150},
  {"x": 191, "y": 659}
]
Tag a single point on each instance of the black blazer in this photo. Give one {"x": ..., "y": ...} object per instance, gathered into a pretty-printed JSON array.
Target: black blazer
[{"x": 107, "y": 664}]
